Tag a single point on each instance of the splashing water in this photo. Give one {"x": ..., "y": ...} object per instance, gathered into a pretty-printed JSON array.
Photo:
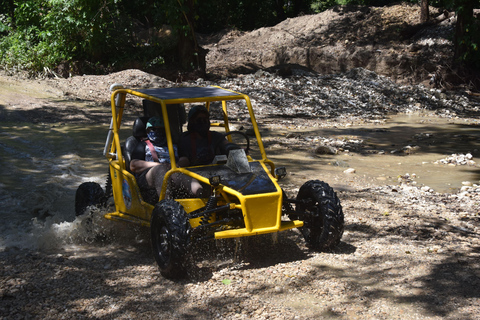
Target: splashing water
[{"x": 41, "y": 169}]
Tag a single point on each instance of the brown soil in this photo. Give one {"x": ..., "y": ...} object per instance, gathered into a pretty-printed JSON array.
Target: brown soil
[{"x": 388, "y": 40}]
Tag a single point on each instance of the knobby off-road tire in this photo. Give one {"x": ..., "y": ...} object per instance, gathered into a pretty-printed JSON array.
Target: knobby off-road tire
[
  {"x": 170, "y": 230},
  {"x": 323, "y": 219},
  {"x": 88, "y": 194},
  {"x": 108, "y": 186}
]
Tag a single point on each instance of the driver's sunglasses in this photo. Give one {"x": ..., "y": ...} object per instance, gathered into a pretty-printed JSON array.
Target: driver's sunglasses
[{"x": 157, "y": 129}]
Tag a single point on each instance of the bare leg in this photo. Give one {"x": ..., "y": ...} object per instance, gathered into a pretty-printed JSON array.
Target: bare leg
[
  {"x": 155, "y": 176},
  {"x": 189, "y": 185},
  {"x": 196, "y": 187}
]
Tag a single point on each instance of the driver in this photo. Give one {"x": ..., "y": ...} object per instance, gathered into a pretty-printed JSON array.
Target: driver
[{"x": 199, "y": 145}]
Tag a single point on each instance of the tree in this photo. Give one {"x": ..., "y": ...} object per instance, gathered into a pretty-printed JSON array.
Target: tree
[
  {"x": 424, "y": 12},
  {"x": 181, "y": 15},
  {"x": 467, "y": 37}
]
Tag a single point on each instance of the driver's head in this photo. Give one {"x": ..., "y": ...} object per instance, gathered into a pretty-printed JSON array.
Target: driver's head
[{"x": 199, "y": 120}]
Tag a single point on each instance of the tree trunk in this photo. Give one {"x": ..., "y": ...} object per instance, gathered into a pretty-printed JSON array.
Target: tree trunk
[
  {"x": 192, "y": 56},
  {"x": 464, "y": 18},
  {"x": 424, "y": 13}
]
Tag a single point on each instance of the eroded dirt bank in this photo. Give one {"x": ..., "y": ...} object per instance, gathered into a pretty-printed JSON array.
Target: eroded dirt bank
[
  {"x": 407, "y": 252},
  {"x": 387, "y": 40}
]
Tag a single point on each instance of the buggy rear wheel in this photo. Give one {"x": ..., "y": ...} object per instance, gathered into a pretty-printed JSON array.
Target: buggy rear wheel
[
  {"x": 88, "y": 194},
  {"x": 170, "y": 231},
  {"x": 319, "y": 208}
]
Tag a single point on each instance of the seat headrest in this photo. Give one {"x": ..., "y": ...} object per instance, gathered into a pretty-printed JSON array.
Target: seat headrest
[{"x": 139, "y": 127}]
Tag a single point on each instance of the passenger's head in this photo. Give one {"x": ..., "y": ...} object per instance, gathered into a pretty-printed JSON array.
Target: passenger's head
[
  {"x": 155, "y": 124},
  {"x": 199, "y": 120},
  {"x": 156, "y": 130}
]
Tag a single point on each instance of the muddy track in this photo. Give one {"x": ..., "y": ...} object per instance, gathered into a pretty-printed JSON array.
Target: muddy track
[{"x": 405, "y": 252}]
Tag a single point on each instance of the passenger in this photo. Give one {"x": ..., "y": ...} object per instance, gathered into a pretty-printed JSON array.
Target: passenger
[{"x": 151, "y": 171}]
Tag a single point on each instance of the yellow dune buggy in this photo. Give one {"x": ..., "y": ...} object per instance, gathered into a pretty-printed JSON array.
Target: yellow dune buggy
[{"x": 245, "y": 197}]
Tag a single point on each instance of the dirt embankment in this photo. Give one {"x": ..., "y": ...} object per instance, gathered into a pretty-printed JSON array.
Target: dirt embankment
[{"x": 386, "y": 40}]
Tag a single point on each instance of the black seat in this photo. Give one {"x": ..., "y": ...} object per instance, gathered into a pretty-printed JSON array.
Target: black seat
[
  {"x": 135, "y": 144},
  {"x": 135, "y": 149}
]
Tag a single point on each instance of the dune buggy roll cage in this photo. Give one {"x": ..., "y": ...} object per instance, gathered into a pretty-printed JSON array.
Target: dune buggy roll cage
[
  {"x": 167, "y": 96},
  {"x": 261, "y": 205}
]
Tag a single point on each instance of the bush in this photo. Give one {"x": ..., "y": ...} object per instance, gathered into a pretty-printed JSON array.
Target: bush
[{"x": 47, "y": 32}]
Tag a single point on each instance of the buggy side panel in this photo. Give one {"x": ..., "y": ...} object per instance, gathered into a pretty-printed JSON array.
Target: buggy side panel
[{"x": 129, "y": 205}]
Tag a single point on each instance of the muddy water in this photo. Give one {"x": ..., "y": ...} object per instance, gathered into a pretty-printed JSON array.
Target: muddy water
[
  {"x": 43, "y": 164},
  {"x": 380, "y": 155},
  {"x": 41, "y": 167}
]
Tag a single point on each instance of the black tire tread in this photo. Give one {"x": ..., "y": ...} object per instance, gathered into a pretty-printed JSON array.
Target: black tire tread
[
  {"x": 88, "y": 194},
  {"x": 171, "y": 214},
  {"x": 324, "y": 228},
  {"x": 108, "y": 186}
]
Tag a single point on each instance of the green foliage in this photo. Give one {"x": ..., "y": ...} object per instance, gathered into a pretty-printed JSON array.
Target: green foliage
[
  {"x": 14, "y": 51},
  {"x": 468, "y": 38},
  {"x": 320, "y": 6},
  {"x": 35, "y": 34},
  {"x": 47, "y": 32},
  {"x": 5, "y": 24}
]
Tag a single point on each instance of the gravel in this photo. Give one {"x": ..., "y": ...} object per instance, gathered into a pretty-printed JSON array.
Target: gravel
[{"x": 356, "y": 95}]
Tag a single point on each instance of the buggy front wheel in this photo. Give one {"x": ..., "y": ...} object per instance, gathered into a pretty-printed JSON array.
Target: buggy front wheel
[
  {"x": 319, "y": 208},
  {"x": 170, "y": 231}
]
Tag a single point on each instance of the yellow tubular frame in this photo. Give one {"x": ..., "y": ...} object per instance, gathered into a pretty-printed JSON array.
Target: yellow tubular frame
[{"x": 264, "y": 210}]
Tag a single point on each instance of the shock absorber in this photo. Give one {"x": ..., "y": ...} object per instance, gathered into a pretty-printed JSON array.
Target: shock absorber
[{"x": 211, "y": 204}]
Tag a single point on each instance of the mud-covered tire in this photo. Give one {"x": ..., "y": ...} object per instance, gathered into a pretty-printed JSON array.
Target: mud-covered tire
[
  {"x": 88, "y": 194},
  {"x": 108, "y": 186},
  {"x": 170, "y": 232},
  {"x": 319, "y": 208}
]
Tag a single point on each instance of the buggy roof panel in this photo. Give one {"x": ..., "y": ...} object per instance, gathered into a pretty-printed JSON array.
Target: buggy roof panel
[{"x": 189, "y": 93}]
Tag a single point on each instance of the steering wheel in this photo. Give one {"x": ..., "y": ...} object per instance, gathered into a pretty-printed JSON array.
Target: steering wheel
[{"x": 247, "y": 149}]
